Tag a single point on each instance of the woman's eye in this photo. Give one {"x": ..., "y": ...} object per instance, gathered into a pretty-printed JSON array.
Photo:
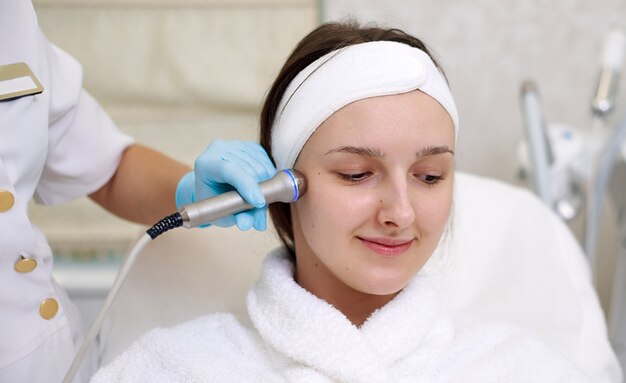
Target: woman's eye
[
  {"x": 430, "y": 179},
  {"x": 354, "y": 177}
]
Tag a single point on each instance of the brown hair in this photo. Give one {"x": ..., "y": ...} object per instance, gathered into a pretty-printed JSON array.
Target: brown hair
[{"x": 324, "y": 39}]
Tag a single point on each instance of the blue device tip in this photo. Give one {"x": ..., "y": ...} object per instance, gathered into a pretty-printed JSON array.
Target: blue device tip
[{"x": 294, "y": 184}]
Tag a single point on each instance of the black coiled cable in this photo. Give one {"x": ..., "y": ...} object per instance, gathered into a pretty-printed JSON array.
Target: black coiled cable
[{"x": 170, "y": 222}]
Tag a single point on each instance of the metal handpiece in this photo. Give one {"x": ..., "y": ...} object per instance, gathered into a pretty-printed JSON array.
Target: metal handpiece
[{"x": 285, "y": 186}]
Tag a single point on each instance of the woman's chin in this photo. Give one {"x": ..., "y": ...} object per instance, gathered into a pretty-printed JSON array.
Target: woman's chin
[{"x": 381, "y": 285}]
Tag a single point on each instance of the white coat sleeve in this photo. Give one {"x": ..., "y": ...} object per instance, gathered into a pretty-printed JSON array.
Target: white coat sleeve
[{"x": 84, "y": 145}]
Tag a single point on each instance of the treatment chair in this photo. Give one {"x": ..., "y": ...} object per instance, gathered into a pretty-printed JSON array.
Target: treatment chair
[{"x": 509, "y": 259}]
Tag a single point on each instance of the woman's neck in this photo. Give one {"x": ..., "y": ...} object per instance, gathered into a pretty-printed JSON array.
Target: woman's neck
[{"x": 355, "y": 305}]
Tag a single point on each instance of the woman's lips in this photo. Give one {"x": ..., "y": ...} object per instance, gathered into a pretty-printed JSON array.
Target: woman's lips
[{"x": 387, "y": 246}]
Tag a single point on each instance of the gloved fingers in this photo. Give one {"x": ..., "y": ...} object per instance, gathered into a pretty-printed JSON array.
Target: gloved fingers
[
  {"x": 256, "y": 167},
  {"x": 258, "y": 152},
  {"x": 252, "y": 153},
  {"x": 204, "y": 190},
  {"x": 185, "y": 191},
  {"x": 222, "y": 150},
  {"x": 245, "y": 220},
  {"x": 209, "y": 162},
  {"x": 228, "y": 165},
  {"x": 225, "y": 222},
  {"x": 256, "y": 218},
  {"x": 218, "y": 175},
  {"x": 244, "y": 177},
  {"x": 260, "y": 218},
  {"x": 258, "y": 155}
]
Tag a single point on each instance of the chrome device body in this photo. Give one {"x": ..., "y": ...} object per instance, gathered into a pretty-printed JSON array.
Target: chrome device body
[{"x": 286, "y": 186}]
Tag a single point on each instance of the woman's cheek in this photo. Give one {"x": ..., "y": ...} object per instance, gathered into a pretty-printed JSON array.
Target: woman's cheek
[
  {"x": 342, "y": 207},
  {"x": 314, "y": 208},
  {"x": 352, "y": 204},
  {"x": 437, "y": 208}
]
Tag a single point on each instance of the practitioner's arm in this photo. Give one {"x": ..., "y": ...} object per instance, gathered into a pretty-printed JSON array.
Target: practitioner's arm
[{"x": 142, "y": 189}]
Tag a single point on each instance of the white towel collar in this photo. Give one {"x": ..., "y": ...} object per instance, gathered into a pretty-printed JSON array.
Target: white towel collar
[{"x": 311, "y": 331}]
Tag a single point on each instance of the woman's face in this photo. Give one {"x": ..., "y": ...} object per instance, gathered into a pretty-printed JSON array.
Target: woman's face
[{"x": 380, "y": 174}]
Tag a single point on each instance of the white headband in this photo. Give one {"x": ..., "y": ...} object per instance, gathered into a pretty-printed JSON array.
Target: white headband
[{"x": 346, "y": 75}]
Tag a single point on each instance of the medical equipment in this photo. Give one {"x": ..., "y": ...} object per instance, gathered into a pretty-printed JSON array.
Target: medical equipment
[
  {"x": 567, "y": 163},
  {"x": 564, "y": 162},
  {"x": 240, "y": 155},
  {"x": 602, "y": 104},
  {"x": 541, "y": 156},
  {"x": 286, "y": 186},
  {"x": 551, "y": 157},
  {"x": 608, "y": 80}
]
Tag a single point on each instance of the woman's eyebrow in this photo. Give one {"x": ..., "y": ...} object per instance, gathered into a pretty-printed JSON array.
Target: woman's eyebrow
[
  {"x": 433, "y": 150},
  {"x": 368, "y": 152},
  {"x": 374, "y": 153}
]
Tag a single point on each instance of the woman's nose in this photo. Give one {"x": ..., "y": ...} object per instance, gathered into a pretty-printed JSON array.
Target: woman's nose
[{"x": 396, "y": 209}]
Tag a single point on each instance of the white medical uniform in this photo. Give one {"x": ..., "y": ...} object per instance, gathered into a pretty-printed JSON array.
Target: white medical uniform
[{"x": 54, "y": 146}]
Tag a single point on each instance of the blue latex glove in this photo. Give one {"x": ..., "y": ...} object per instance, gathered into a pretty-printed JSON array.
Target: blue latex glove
[{"x": 228, "y": 165}]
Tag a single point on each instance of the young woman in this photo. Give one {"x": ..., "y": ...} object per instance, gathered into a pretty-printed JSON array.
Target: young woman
[{"x": 367, "y": 116}]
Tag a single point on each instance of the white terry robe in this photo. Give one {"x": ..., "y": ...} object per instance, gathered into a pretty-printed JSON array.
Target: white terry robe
[{"x": 297, "y": 337}]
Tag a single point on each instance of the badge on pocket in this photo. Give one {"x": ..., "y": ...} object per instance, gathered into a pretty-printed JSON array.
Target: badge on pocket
[{"x": 17, "y": 80}]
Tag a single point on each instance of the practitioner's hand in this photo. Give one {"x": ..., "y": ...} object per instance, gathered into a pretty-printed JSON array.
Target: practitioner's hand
[{"x": 228, "y": 165}]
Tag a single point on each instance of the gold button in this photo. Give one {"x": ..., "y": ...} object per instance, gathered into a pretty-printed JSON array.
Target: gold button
[
  {"x": 25, "y": 265},
  {"x": 48, "y": 308},
  {"x": 6, "y": 201}
]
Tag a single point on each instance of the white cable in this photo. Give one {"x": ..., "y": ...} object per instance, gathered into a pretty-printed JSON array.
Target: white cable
[{"x": 97, "y": 324}]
